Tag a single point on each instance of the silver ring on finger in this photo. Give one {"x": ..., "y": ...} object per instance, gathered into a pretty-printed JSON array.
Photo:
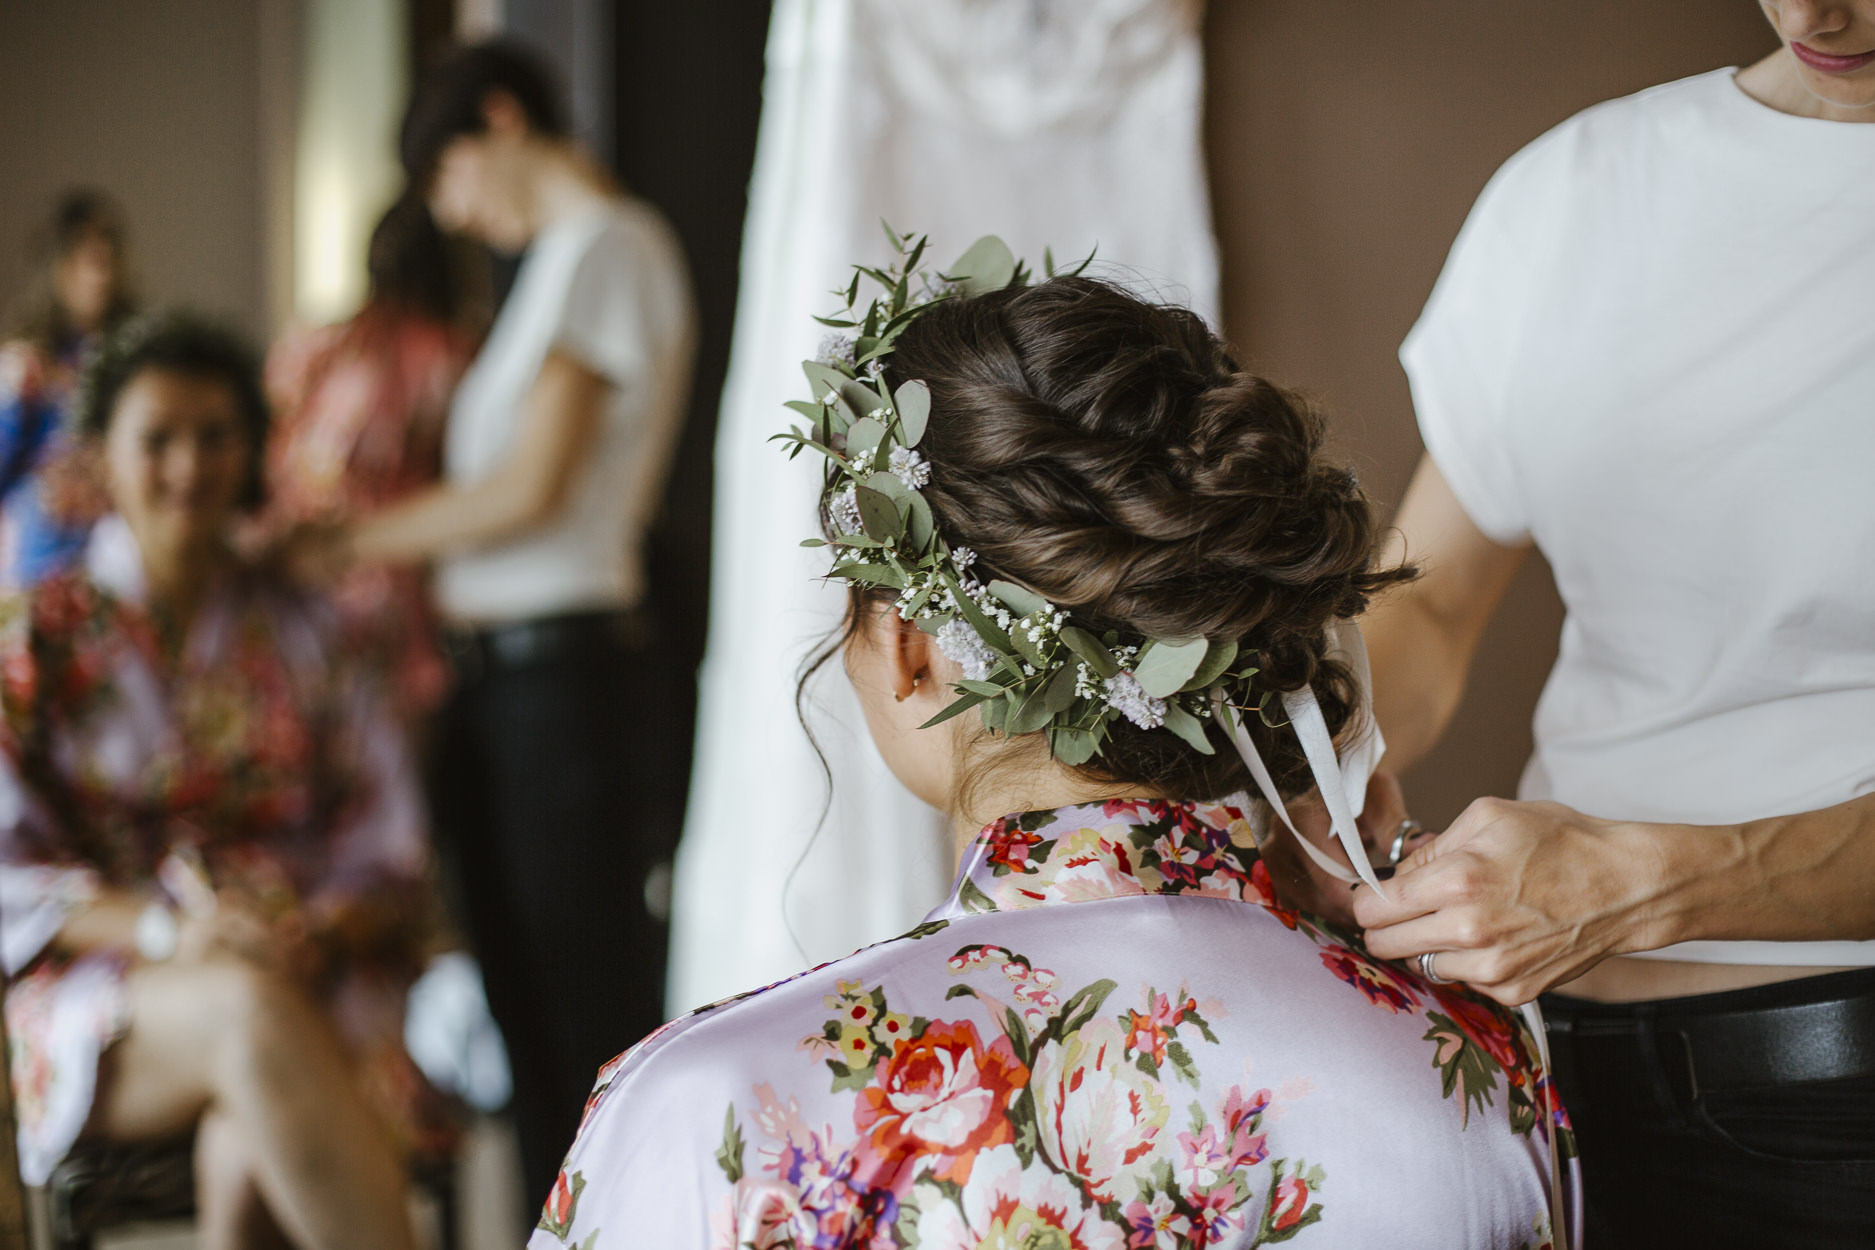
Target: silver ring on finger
[
  {"x": 1408, "y": 830},
  {"x": 1426, "y": 970}
]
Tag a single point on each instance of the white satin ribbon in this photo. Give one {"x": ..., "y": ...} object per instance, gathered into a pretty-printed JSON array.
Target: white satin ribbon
[
  {"x": 1341, "y": 782},
  {"x": 1343, "y": 786}
]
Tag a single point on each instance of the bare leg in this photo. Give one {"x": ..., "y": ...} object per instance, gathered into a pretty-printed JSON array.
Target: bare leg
[
  {"x": 230, "y": 1214},
  {"x": 224, "y": 1039}
]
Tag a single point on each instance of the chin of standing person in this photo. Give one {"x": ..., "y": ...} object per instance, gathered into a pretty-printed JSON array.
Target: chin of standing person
[
  {"x": 553, "y": 788},
  {"x": 81, "y": 290},
  {"x": 1650, "y": 357}
]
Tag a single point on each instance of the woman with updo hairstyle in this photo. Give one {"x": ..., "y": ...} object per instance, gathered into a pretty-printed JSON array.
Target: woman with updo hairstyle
[{"x": 1113, "y": 1034}]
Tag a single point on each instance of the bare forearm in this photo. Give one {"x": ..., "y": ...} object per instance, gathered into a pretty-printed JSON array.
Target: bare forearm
[
  {"x": 1805, "y": 877},
  {"x": 108, "y": 922},
  {"x": 1419, "y": 669},
  {"x": 445, "y": 519}
]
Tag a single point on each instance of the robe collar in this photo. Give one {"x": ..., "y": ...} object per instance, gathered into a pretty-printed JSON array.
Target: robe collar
[{"x": 1118, "y": 849}]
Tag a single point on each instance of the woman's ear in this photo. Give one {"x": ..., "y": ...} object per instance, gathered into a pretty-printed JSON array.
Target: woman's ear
[{"x": 909, "y": 651}]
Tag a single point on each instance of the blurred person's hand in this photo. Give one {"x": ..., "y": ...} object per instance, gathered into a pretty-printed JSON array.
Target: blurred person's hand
[
  {"x": 233, "y": 929},
  {"x": 1300, "y": 883},
  {"x": 22, "y": 368},
  {"x": 314, "y": 553}
]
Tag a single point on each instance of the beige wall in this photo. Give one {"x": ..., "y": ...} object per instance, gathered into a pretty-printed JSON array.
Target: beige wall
[
  {"x": 1346, "y": 144},
  {"x": 159, "y": 102}
]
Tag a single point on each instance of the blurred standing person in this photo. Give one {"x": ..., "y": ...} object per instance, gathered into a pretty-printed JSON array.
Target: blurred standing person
[
  {"x": 360, "y": 408},
  {"x": 80, "y": 291},
  {"x": 550, "y": 770}
]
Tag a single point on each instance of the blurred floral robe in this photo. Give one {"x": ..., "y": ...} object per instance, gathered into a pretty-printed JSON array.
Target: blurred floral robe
[
  {"x": 258, "y": 747},
  {"x": 360, "y": 409},
  {"x": 49, "y": 494},
  {"x": 1111, "y": 1036}
]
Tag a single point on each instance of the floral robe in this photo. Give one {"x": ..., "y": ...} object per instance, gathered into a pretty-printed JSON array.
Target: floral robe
[
  {"x": 1111, "y": 1037},
  {"x": 361, "y": 407},
  {"x": 258, "y": 749}
]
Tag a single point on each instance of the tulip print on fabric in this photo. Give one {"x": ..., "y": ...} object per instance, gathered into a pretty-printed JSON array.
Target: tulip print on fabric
[{"x": 1111, "y": 1038}]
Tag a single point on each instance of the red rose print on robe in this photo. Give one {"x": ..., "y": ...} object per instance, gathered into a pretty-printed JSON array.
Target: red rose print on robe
[
  {"x": 1383, "y": 987},
  {"x": 941, "y": 1097}
]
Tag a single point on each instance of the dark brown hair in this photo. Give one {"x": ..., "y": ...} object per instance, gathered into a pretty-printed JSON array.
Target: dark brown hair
[
  {"x": 411, "y": 265},
  {"x": 448, "y": 100},
  {"x": 1109, "y": 454},
  {"x": 184, "y": 342},
  {"x": 77, "y": 215}
]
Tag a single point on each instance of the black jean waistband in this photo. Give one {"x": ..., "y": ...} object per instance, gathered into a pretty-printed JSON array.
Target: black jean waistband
[
  {"x": 1818, "y": 1028},
  {"x": 514, "y": 644}
]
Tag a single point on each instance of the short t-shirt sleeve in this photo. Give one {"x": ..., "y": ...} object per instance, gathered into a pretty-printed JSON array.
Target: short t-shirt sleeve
[
  {"x": 620, "y": 310},
  {"x": 1460, "y": 358}
]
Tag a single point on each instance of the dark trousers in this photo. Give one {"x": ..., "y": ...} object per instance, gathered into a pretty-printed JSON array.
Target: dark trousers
[
  {"x": 556, "y": 801},
  {"x": 1668, "y": 1162}
]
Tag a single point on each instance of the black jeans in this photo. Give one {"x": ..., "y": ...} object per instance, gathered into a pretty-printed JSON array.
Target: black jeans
[
  {"x": 556, "y": 799},
  {"x": 1667, "y": 1164}
]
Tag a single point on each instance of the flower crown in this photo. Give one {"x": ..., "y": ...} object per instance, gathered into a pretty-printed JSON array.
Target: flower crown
[{"x": 1025, "y": 664}]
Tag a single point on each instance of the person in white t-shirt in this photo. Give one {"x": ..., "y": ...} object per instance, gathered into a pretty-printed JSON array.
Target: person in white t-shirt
[
  {"x": 551, "y": 771},
  {"x": 1651, "y": 356}
]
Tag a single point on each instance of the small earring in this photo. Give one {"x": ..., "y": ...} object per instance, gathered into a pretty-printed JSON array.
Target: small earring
[{"x": 900, "y": 698}]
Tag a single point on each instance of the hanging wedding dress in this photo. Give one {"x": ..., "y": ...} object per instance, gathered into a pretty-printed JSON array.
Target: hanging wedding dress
[{"x": 1068, "y": 124}]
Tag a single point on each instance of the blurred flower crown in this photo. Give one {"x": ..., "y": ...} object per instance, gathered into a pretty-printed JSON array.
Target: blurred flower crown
[{"x": 1026, "y": 665}]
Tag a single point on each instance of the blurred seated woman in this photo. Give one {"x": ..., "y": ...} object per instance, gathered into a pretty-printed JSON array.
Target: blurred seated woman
[
  {"x": 82, "y": 291},
  {"x": 211, "y": 842},
  {"x": 1109, "y": 548}
]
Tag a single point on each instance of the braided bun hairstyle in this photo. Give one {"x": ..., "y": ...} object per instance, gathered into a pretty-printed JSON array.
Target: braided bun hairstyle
[{"x": 1110, "y": 455}]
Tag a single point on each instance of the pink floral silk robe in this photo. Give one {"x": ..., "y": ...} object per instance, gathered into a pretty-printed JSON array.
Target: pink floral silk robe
[
  {"x": 1110, "y": 1037},
  {"x": 261, "y": 747}
]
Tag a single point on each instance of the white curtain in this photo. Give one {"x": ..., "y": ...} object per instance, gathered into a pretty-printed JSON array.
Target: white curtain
[{"x": 1062, "y": 123}]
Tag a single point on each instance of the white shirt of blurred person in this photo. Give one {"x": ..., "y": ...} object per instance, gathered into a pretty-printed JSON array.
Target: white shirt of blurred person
[
  {"x": 557, "y": 446},
  {"x": 1651, "y": 355}
]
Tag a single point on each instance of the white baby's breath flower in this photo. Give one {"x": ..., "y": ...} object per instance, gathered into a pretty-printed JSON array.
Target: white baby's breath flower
[
  {"x": 1124, "y": 695},
  {"x": 970, "y": 653},
  {"x": 963, "y": 558},
  {"x": 843, "y": 508},
  {"x": 836, "y": 349},
  {"x": 862, "y": 462},
  {"x": 909, "y": 467}
]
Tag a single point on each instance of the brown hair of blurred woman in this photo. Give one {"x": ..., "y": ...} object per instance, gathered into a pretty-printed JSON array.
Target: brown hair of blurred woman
[{"x": 81, "y": 273}]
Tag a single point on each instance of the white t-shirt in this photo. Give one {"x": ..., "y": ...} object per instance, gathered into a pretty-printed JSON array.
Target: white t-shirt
[
  {"x": 606, "y": 285},
  {"x": 1652, "y": 352}
]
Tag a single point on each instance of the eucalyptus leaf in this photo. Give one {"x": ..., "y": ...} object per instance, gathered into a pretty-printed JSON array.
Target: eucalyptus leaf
[
  {"x": 988, "y": 265},
  {"x": 813, "y": 542},
  {"x": 864, "y": 436},
  {"x": 1216, "y": 659},
  {"x": 887, "y": 484},
  {"x": 988, "y": 689},
  {"x": 810, "y": 411},
  {"x": 1073, "y": 746},
  {"x": 995, "y": 714},
  {"x": 1090, "y": 649},
  {"x": 1060, "y": 693},
  {"x": 878, "y": 514},
  {"x": 877, "y": 574},
  {"x": 988, "y": 630},
  {"x": 1166, "y": 666},
  {"x": 913, "y": 401},
  {"x": 1017, "y": 599},
  {"x": 920, "y": 527},
  {"x": 823, "y": 378},
  {"x": 1033, "y": 712},
  {"x": 963, "y": 704},
  {"x": 1188, "y": 727},
  {"x": 863, "y": 400}
]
